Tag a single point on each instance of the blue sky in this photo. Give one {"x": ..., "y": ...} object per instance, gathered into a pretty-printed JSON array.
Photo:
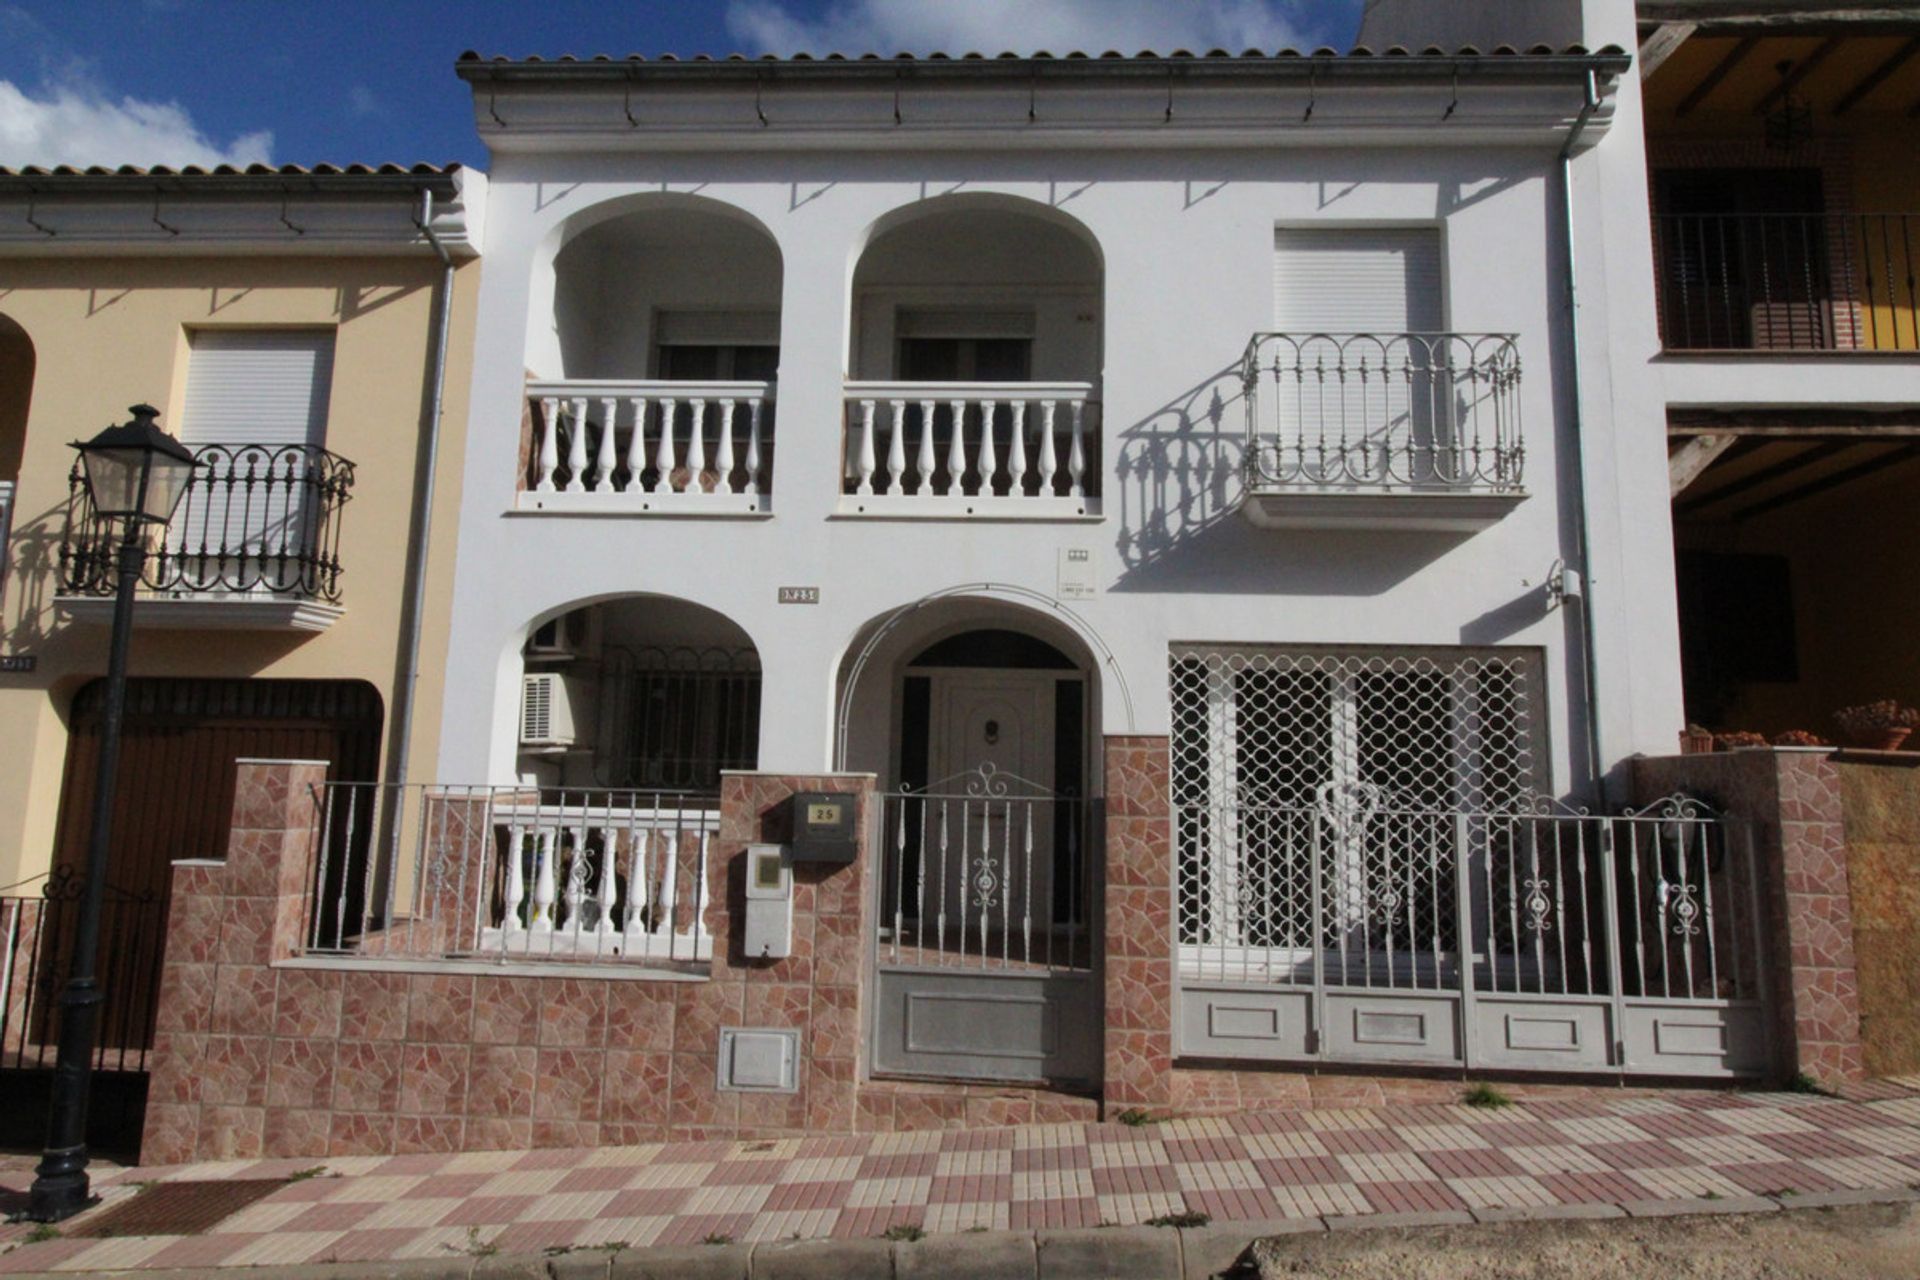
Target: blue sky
[{"x": 202, "y": 81}]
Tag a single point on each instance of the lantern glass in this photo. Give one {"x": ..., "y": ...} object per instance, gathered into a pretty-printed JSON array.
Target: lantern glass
[{"x": 136, "y": 471}]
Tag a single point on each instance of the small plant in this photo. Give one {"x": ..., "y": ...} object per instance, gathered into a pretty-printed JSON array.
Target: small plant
[
  {"x": 1799, "y": 738},
  {"x": 1187, "y": 1219},
  {"x": 1135, "y": 1117},
  {"x": 43, "y": 1231},
  {"x": 616, "y": 1246},
  {"x": 1884, "y": 723},
  {"x": 717, "y": 1237},
  {"x": 304, "y": 1174},
  {"x": 1739, "y": 738},
  {"x": 904, "y": 1232},
  {"x": 1784, "y": 1192},
  {"x": 974, "y": 1230},
  {"x": 478, "y": 1248},
  {"x": 1801, "y": 1082},
  {"x": 1486, "y": 1096},
  {"x": 1711, "y": 1195}
]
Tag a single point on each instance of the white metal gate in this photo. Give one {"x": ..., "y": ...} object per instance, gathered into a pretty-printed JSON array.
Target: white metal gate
[
  {"x": 986, "y": 950},
  {"x": 1454, "y": 917}
]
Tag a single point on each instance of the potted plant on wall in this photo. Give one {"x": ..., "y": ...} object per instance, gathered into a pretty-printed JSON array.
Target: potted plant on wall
[{"x": 1881, "y": 725}]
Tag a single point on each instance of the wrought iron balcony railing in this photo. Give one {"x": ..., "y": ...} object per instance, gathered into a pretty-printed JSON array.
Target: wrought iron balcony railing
[
  {"x": 256, "y": 519},
  {"x": 1788, "y": 281},
  {"x": 1383, "y": 412}
]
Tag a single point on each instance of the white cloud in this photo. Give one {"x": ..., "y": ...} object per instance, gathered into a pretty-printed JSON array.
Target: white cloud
[
  {"x": 73, "y": 121},
  {"x": 1025, "y": 26},
  {"x": 362, "y": 101}
]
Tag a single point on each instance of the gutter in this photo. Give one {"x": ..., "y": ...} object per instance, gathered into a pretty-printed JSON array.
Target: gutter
[
  {"x": 1583, "y": 534},
  {"x": 405, "y": 687},
  {"x": 1507, "y": 65}
]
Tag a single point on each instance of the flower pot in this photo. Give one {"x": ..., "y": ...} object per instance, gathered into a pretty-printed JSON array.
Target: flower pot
[{"x": 1885, "y": 739}]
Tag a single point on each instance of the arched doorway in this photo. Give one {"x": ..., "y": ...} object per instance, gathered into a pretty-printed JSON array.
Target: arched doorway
[{"x": 978, "y": 715}]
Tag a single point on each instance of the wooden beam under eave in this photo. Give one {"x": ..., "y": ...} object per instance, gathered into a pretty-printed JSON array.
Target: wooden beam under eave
[
  {"x": 1660, "y": 44},
  {"x": 1876, "y": 77},
  {"x": 1779, "y": 469},
  {"x": 1800, "y": 71},
  {"x": 1833, "y": 480},
  {"x": 1721, "y": 70},
  {"x": 1690, "y": 459}
]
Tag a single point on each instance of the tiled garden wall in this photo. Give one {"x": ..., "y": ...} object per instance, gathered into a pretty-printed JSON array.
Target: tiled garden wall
[{"x": 1881, "y": 804}]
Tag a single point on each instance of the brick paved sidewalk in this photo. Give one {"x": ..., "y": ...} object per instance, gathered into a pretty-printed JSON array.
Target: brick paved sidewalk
[{"x": 1254, "y": 1165}]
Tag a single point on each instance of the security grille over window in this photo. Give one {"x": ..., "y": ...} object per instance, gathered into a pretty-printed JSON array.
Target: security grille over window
[
  {"x": 675, "y": 717},
  {"x": 1279, "y": 753}
]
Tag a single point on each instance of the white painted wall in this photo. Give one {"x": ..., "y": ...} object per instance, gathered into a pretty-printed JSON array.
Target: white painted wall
[{"x": 1186, "y": 240}]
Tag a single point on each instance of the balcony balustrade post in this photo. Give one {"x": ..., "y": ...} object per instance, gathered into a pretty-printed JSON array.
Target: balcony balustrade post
[
  {"x": 549, "y": 457},
  {"x": 1017, "y": 449},
  {"x": 637, "y": 445},
  {"x": 987, "y": 463},
  {"x": 1049, "y": 453},
  {"x": 608, "y": 459},
  {"x": 753, "y": 445},
  {"x": 896, "y": 445},
  {"x": 577, "y": 445},
  {"x": 923, "y": 461},
  {"x": 1077, "y": 459},
  {"x": 723, "y": 462},
  {"x": 957, "y": 450},
  {"x": 663, "y": 460},
  {"x": 696, "y": 444},
  {"x": 863, "y": 455}
]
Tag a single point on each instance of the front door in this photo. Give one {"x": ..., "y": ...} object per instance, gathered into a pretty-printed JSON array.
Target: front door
[{"x": 984, "y": 952}]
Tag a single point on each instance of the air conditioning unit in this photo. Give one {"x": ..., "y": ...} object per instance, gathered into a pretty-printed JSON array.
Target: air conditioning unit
[
  {"x": 571, "y": 635},
  {"x": 548, "y": 705}
]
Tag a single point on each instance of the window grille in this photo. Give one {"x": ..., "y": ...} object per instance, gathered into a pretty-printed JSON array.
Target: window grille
[
  {"x": 673, "y": 718},
  {"x": 1360, "y": 754}
]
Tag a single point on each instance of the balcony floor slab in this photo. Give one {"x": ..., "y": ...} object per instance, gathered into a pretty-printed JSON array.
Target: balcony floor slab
[
  {"x": 1391, "y": 510},
  {"x": 207, "y": 611}
]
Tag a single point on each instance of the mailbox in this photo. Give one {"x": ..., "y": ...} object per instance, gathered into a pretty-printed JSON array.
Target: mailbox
[{"x": 823, "y": 829}]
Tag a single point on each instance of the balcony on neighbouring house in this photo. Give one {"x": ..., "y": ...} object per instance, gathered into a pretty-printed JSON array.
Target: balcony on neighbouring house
[
  {"x": 1014, "y": 450},
  {"x": 254, "y": 545},
  {"x": 667, "y": 448},
  {"x": 1788, "y": 281},
  {"x": 1413, "y": 431}
]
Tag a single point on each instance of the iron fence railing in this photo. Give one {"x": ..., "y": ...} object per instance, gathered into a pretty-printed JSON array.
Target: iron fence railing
[
  {"x": 36, "y": 954},
  {"x": 1433, "y": 412},
  {"x": 1357, "y": 892},
  {"x": 1788, "y": 281},
  {"x": 255, "y": 518},
  {"x": 509, "y": 873}
]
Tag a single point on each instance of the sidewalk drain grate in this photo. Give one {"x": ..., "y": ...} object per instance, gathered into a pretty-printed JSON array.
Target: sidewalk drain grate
[{"x": 180, "y": 1208}]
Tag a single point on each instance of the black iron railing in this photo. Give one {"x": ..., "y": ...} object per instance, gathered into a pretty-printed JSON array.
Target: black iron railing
[
  {"x": 36, "y": 951},
  {"x": 256, "y": 518},
  {"x": 1788, "y": 281}
]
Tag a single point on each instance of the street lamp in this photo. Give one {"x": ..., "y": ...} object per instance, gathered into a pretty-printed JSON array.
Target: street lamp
[{"x": 135, "y": 475}]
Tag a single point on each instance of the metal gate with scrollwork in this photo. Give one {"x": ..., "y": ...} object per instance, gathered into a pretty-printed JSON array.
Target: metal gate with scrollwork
[
  {"x": 1366, "y": 874},
  {"x": 986, "y": 954}
]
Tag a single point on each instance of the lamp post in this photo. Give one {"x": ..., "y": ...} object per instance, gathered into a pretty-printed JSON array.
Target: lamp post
[{"x": 135, "y": 474}]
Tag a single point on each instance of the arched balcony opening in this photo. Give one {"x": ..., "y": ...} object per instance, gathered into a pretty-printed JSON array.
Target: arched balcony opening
[
  {"x": 975, "y": 361},
  {"x": 653, "y": 355}
]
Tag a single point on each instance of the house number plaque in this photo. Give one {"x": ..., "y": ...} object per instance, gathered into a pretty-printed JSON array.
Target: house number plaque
[
  {"x": 18, "y": 663},
  {"x": 799, "y": 595}
]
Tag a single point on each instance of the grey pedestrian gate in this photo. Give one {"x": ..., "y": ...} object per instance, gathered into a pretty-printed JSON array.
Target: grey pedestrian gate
[
  {"x": 986, "y": 950},
  {"x": 1360, "y": 929}
]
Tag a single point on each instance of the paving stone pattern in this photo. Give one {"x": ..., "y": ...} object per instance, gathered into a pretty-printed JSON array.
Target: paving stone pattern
[{"x": 1632, "y": 1151}]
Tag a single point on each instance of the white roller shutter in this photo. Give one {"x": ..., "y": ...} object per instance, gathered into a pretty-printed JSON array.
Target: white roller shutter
[
  {"x": 258, "y": 386},
  {"x": 1357, "y": 280}
]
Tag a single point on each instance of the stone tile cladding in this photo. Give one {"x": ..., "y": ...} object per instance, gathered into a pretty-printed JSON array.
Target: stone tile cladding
[
  {"x": 1881, "y": 799},
  {"x": 255, "y": 1056},
  {"x": 1138, "y": 916},
  {"x": 1794, "y": 800}
]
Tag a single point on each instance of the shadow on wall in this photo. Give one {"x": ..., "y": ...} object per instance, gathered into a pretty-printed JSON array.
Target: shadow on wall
[{"x": 1180, "y": 477}]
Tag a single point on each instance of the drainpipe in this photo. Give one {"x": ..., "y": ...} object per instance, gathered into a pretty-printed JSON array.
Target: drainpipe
[
  {"x": 423, "y": 498},
  {"x": 1596, "y": 772}
]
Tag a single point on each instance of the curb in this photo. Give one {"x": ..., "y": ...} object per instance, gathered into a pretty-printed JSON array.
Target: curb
[{"x": 1115, "y": 1253}]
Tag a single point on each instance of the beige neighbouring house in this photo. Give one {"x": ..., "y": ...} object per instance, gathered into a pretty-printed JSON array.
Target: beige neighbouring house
[{"x": 287, "y": 324}]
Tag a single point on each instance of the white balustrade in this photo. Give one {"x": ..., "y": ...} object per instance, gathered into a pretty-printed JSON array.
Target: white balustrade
[
  {"x": 661, "y": 447},
  {"x": 606, "y": 882},
  {"x": 1014, "y": 450}
]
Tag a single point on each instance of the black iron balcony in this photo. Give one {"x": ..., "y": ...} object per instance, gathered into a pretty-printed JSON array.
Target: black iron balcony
[
  {"x": 257, "y": 520},
  {"x": 1788, "y": 281}
]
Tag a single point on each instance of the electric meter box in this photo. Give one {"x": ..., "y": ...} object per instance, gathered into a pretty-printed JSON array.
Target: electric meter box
[
  {"x": 769, "y": 925},
  {"x": 823, "y": 827}
]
